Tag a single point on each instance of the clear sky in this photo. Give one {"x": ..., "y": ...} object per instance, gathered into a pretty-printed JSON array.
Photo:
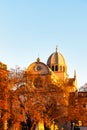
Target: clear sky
[{"x": 32, "y": 28}]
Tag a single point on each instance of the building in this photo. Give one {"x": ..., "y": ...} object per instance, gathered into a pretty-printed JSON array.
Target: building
[
  {"x": 40, "y": 74},
  {"x": 55, "y": 69}
]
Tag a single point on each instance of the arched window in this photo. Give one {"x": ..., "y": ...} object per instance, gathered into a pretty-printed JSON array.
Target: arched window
[
  {"x": 38, "y": 82},
  {"x": 56, "y": 68},
  {"x": 52, "y": 67}
]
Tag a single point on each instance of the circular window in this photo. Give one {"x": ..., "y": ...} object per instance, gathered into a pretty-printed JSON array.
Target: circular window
[{"x": 37, "y": 68}]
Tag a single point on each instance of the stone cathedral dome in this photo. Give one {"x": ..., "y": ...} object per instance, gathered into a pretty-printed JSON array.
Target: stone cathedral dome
[{"x": 57, "y": 62}]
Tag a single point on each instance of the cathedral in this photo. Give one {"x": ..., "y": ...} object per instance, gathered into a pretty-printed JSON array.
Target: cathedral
[
  {"x": 40, "y": 75},
  {"x": 56, "y": 69}
]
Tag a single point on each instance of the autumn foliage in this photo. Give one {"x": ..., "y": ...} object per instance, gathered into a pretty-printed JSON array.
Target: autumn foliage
[{"x": 23, "y": 104}]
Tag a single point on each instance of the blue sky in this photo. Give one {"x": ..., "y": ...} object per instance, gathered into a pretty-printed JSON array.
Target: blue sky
[{"x": 32, "y": 28}]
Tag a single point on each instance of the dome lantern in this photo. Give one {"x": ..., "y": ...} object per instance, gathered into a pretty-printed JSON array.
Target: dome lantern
[{"x": 56, "y": 49}]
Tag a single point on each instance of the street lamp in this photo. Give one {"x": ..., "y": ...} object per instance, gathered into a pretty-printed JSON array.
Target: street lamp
[{"x": 72, "y": 125}]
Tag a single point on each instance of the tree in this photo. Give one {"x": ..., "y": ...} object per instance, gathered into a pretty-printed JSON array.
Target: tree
[
  {"x": 3, "y": 95},
  {"x": 28, "y": 104}
]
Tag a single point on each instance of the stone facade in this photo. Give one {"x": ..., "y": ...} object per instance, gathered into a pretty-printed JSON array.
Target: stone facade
[{"x": 78, "y": 108}]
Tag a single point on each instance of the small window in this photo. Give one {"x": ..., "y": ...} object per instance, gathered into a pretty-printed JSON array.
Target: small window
[
  {"x": 52, "y": 68},
  {"x": 84, "y": 105},
  {"x": 60, "y": 68},
  {"x": 63, "y": 69},
  {"x": 56, "y": 68}
]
